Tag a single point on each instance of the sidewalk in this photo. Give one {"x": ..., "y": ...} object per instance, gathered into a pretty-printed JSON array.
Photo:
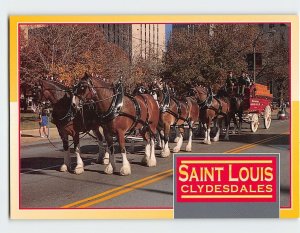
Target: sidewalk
[{"x": 33, "y": 135}]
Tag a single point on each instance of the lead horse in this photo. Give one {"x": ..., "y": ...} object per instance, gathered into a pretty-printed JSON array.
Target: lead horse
[
  {"x": 120, "y": 114},
  {"x": 213, "y": 110},
  {"x": 69, "y": 122}
]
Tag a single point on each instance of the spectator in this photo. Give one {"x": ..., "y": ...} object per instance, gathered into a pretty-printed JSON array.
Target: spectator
[{"x": 43, "y": 122}]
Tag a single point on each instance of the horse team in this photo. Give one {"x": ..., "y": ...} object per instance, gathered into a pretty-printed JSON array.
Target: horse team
[{"x": 92, "y": 104}]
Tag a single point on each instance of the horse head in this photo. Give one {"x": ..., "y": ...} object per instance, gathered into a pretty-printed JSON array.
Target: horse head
[
  {"x": 83, "y": 91},
  {"x": 201, "y": 93}
]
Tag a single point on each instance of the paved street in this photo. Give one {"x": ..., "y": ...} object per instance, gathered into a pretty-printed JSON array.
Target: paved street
[{"x": 44, "y": 186}]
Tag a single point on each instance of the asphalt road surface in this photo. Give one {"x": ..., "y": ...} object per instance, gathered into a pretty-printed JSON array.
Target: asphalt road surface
[{"x": 44, "y": 186}]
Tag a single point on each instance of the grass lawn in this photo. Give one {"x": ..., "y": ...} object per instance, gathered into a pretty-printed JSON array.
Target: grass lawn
[{"x": 31, "y": 121}]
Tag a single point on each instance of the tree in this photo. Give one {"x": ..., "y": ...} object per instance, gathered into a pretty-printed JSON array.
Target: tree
[
  {"x": 206, "y": 54},
  {"x": 69, "y": 50}
]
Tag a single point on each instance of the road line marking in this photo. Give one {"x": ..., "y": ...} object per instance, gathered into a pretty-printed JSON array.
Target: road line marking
[
  {"x": 109, "y": 194},
  {"x": 116, "y": 189},
  {"x": 248, "y": 146},
  {"x": 128, "y": 189}
]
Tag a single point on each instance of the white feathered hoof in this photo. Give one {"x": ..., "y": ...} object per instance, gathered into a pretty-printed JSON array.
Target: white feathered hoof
[
  {"x": 165, "y": 153},
  {"x": 215, "y": 139},
  {"x": 151, "y": 163},
  {"x": 63, "y": 168},
  {"x": 176, "y": 149},
  {"x": 109, "y": 169},
  {"x": 78, "y": 170},
  {"x": 125, "y": 170},
  {"x": 188, "y": 148},
  {"x": 208, "y": 142}
]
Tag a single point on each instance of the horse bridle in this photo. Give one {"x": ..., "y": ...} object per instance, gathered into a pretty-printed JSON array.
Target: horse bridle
[{"x": 203, "y": 103}]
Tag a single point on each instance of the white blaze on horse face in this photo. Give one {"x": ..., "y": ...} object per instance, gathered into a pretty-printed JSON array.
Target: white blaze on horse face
[{"x": 76, "y": 101}]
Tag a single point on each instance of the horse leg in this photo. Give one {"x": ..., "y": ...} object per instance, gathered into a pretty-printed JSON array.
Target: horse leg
[
  {"x": 240, "y": 122},
  {"x": 166, "y": 150},
  {"x": 149, "y": 158},
  {"x": 188, "y": 147},
  {"x": 102, "y": 159},
  {"x": 111, "y": 166},
  {"x": 226, "y": 138},
  {"x": 217, "y": 125},
  {"x": 79, "y": 167},
  {"x": 207, "y": 132},
  {"x": 67, "y": 159},
  {"x": 147, "y": 155},
  {"x": 125, "y": 169},
  {"x": 162, "y": 138},
  {"x": 180, "y": 140},
  {"x": 177, "y": 133}
]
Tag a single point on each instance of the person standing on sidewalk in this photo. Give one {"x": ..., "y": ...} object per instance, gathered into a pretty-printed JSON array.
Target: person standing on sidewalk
[{"x": 43, "y": 124}]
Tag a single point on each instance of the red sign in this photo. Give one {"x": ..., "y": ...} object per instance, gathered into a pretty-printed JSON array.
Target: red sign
[{"x": 226, "y": 179}]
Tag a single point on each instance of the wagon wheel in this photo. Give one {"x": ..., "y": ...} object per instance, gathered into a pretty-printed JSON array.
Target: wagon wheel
[
  {"x": 267, "y": 117},
  {"x": 254, "y": 123}
]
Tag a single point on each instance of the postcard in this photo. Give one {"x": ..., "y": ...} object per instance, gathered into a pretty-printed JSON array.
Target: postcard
[{"x": 154, "y": 117}]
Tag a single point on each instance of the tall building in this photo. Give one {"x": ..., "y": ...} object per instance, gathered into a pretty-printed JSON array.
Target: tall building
[
  {"x": 138, "y": 40},
  {"x": 148, "y": 40},
  {"x": 119, "y": 34}
]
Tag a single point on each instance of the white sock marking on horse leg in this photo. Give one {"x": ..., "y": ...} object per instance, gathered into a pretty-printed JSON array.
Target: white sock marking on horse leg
[
  {"x": 67, "y": 162},
  {"x": 208, "y": 136},
  {"x": 205, "y": 136},
  {"x": 159, "y": 141},
  {"x": 146, "y": 157},
  {"x": 109, "y": 169},
  {"x": 125, "y": 169},
  {"x": 177, "y": 135},
  {"x": 79, "y": 167},
  {"x": 166, "y": 150},
  {"x": 188, "y": 147},
  {"x": 217, "y": 137},
  {"x": 106, "y": 157},
  {"x": 179, "y": 144},
  {"x": 152, "y": 159}
]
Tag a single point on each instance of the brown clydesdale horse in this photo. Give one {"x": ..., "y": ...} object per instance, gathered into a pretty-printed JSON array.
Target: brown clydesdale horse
[
  {"x": 120, "y": 114},
  {"x": 69, "y": 122},
  {"x": 174, "y": 112},
  {"x": 213, "y": 110}
]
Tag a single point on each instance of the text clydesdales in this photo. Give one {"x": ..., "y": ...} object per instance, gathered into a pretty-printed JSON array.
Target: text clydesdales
[{"x": 226, "y": 179}]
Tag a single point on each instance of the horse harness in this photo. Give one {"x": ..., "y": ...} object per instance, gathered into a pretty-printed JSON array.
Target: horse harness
[
  {"x": 165, "y": 107},
  {"x": 207, "y": 103},
  {"x": 116, "y": 106}
]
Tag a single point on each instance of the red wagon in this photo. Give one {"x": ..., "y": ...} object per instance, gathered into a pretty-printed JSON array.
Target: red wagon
[{"x": 257, "y": 104}]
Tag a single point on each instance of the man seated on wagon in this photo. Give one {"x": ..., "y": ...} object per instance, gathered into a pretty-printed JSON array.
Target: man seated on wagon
[
  {"x": 231, "y": 82},
  {"x": 242, "y": 82}
]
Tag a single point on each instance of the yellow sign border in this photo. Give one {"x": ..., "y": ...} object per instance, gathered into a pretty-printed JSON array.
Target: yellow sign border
[{"x": 16, "y": 213}]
